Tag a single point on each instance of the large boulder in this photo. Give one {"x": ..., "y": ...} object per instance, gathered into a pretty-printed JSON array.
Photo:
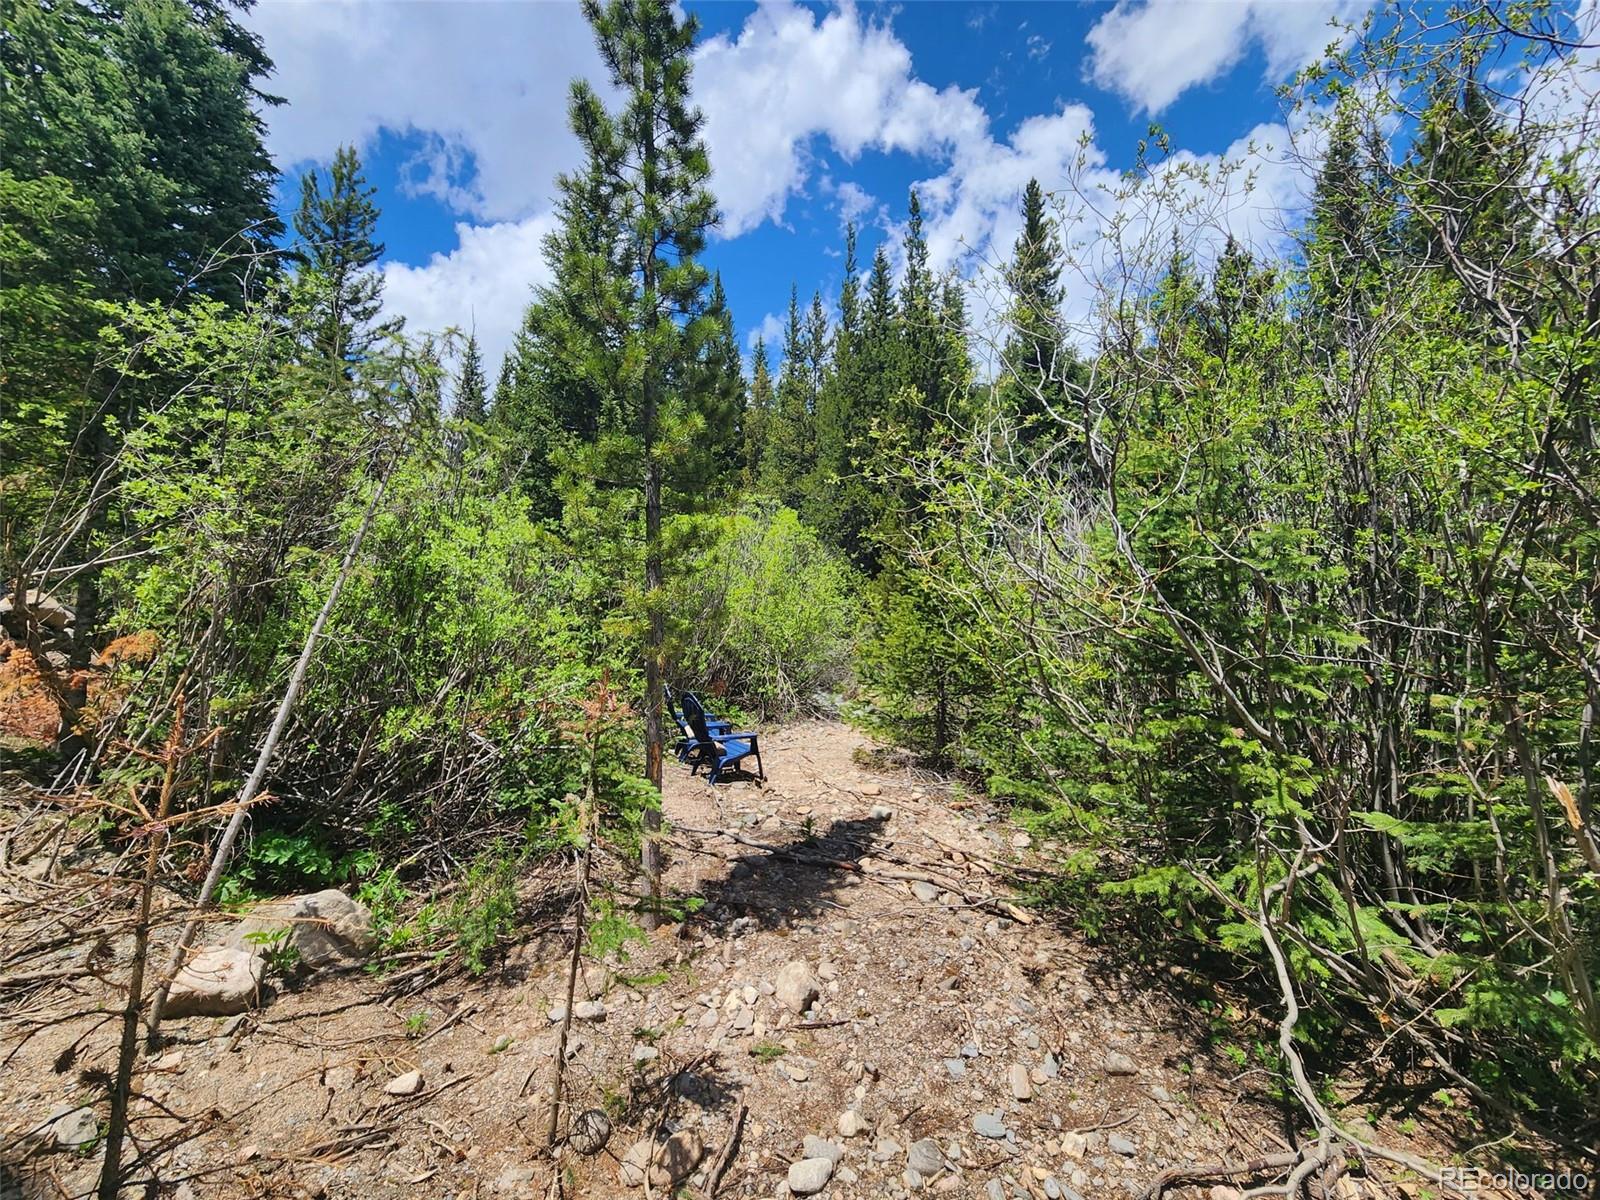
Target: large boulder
[
  {"x": 45, "y": 609},
  {"x": 796, "y": 986},
  {"x": 325, "y": 929},
  {"x": 217, "y": 982}
]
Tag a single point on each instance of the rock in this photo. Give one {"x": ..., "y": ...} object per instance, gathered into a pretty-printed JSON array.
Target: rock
[
  {"x": 1020, "y": 841},
  {"x": 644, "y": 1054},
  {"x": 796, "y": 987},
  {"x": 589, "y": 1010},
  {"x": 1118, "y": 1063},
  {"x": 814, "y": 1147},
  {"x": 852, "y": 1124},
  {"x": 827, "y": 971},
  {"x": 1052, "y": 1189},
  {"x": 75, "y": 1129},
  {"x": 809, "y": 1175},
  {"x": 970, "y": 1050},
  {"x": 557, "y": 1013},
  {"x": 881, "y": 812},
  {"x": 924, "y": 891},
  {"x": 1050, "y": 1066},
  {"x": 591, "y": 1130},
  {"x": 1073, "y": 1145},
  {"x": 679, "y": 1155},
  {"x": 408, "y": 1084},
  {"x": 1121, "y": 1145},
  {"x": 925, "y": 1157},
  {"x": 871, "y": 789},
  {"x": 630, "y": 1171},
  {"x": 514, "y": 1180},
  {"x": 989, "y": 1125},
  {"x": 325, "y": 929},
  {"x": 957, "y": 1067},
  {"x": 887, "y": 1150},
  {"x": 217, "y": 982},
  {"x": 994, "y": 1190},
  {"x": 45, "y": 609},
  {"x": 794, "y": 1071},
  {"x": 1223, "y": 1192},
  {"x": 1021, "y": 1086}
]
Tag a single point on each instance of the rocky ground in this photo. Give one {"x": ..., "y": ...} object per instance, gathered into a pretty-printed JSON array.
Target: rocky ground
[{"x": 862, "y": 1014}]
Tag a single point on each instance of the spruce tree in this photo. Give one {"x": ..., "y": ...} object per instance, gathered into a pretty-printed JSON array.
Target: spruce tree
[
  {"x": 645, "y": 181},
  {"x": 1037, "y": 364},
  {"x": 339, "y": 284},
  {"x": 758, "y": 415},
  {"x": 472, "y": 399},
  {"x": 791, "y": 452}
]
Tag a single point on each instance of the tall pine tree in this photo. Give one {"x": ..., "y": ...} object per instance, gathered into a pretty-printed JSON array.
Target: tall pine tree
[
  {"x": 1037, "y": 366},
  {"x": 339, "y": 286},
  {"x": 645, "y": 181}
]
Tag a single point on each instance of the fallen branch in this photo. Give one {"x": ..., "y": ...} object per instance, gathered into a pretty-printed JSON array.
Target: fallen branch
[{"x": 720, "y": 1166}]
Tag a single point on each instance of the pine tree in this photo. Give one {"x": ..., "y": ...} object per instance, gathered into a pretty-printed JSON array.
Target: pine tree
[
  {"x": 837, "y": 406},
  {"x": 1037, "y": 365},
  {"x": 472, "y": 400},
  {"x": 791, "y": 443},
  {"x": 339, "y": 285},
  {"x": 645, "y": 178},
  {"x": 759, "y": 414},
  {"x": 720, "y": 389},
  {"x": 915, "y": 408}
]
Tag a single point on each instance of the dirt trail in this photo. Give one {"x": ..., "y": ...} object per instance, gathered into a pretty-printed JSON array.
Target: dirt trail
[{"x": 980, "y": 1055}]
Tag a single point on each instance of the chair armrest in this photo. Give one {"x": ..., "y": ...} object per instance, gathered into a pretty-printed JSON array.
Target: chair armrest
[{"x": 744, "y": 735}]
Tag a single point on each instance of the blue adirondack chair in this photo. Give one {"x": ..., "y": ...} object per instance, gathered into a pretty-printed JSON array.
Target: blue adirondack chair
[
  {"x": 720, "y": 751},
  {"x": 688, "y": 745}
]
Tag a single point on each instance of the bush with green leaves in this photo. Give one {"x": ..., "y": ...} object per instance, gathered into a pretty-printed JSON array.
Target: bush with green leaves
[{"x": 768, "y": 614}]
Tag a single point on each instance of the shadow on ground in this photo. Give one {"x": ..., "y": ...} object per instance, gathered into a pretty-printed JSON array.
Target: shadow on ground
[{"x": 771, "y": 890}]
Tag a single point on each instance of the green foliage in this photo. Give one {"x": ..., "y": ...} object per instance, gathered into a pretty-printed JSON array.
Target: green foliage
[
  {"x": 768, "y": 613},
  {"x": 484, "y": 908}
]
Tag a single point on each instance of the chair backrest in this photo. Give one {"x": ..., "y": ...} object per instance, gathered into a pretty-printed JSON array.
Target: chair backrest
[{"x": 696, "y": 716}]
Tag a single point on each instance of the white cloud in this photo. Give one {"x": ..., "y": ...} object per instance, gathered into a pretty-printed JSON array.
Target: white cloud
[
  {"x": 790, "y": 76},
  {"x": 487, "y": 82},
  {"x": 483, "y": 285},
  {"x": 769, "y": 330},
  {"x": 1152, "y": 51}
]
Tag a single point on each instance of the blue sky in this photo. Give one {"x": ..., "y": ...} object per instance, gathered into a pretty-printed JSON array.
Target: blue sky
[{"x": 814, "y": 114}]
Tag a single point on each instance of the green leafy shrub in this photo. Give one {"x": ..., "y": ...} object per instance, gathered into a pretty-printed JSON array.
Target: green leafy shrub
[{"x": 769, "y": 613}]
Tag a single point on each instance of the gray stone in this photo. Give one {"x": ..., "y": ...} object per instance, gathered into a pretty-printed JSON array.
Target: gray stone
[
  {"x": 591, "y": 1130},
  {"x": 679, "y": 1155},
  {"x": 514, "y": 1180},
  {"x": 644, "y": 1054},
  {"x": 1118, "y": 1063},
  {"x": 796, "y": 987},
  {"x": 925, "y": 1157},
  {"x": 589, "y": 1010},
  {"x": 924, "y": 891},
  {"x": 852, "y": 1124},
  {"x": 1050, "y": 1066},
  {"x": 881, "y": 812},
  {"x": 994, "y": 1190},
  {"x": 630, "y": 1171},
  {"x": 408, "y": 1084},
  {"x": 1121, "y": 1145},
  {"x": 75, "y": 1129},
  {"x": 809, "y": 1175},
  {"x": 956, "y": 1066},
  {"x": 217, "y": 982},
  {"x": 989, "y": 1125},
  {"x": 813, "y": 1146},
  {"x": 325, "y": 929},
  {"x": 1021, "y": 1086}
]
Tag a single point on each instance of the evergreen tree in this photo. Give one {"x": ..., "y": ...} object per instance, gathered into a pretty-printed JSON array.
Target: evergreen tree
[
  {"x": 642, "y": 289},
  {"x": 1037, "y": 364},
  {"x": 720, "y": 389},
  {"x": 472, "y": 400},
  {"x": 916, "y": 408},
  {"x": 791, "y": 445},
  {"x": 837, "y": 409},
  {"x": 759, "y": 414},
  {"x": 339, "y": 286},
  {"x": 1349, "y": 226}
]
